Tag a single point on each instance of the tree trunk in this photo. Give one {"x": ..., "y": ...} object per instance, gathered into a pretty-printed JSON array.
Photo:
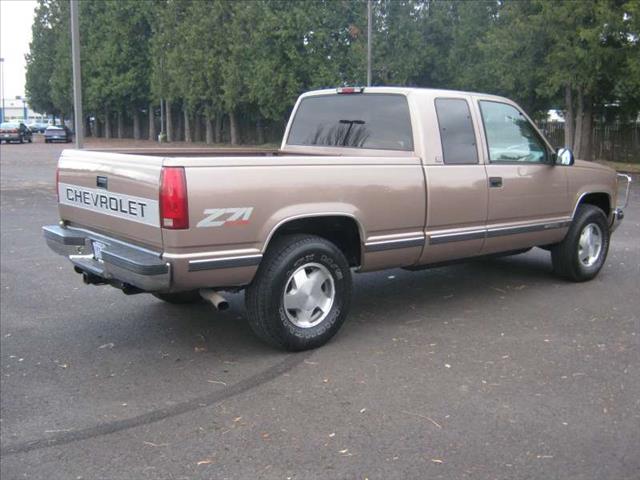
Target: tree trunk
[
  {"x": 87, "y": 127},
  {"x": 259, "y": 132},
  {"x": 179, "y": 133},
  {"x": 187, "y": 126},
  {"x": 233, "y": 127},
  {"x": 569, "y": 117},
  {"x": 120, "y": 124},
  {"x": 209, "y": 130},
  {"x": 217, "y": 131},
  {"x": 107, "y": 124},
  {"x": 587, "y": 124},
  {"x": 97, "y": 128},
  {"x": 167, "y": 104},
  {"x": 136, "y": 124},
  {"x": 197, "y": 128},
  {"x": 152, "y": 123},
  {"x": 577, "y": 139}
]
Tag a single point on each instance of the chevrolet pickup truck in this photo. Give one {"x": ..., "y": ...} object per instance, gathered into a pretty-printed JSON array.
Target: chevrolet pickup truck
[{"x": 365, "y": 179}]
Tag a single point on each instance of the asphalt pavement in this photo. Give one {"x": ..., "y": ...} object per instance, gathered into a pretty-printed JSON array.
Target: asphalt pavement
[{"x": 486, "y": 370}]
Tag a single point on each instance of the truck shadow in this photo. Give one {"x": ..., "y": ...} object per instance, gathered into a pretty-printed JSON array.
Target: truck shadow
[
  {"x": 392, "y": 297},
  {"x": 384, "y": 298}
]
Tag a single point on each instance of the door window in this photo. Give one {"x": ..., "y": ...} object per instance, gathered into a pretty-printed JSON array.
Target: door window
[
  {"x": 510, "y": 136},
  {"x": 456, "y": 131}
]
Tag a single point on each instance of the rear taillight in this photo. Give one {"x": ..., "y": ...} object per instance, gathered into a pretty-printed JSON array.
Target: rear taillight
[{"x": 174, "y": 209}]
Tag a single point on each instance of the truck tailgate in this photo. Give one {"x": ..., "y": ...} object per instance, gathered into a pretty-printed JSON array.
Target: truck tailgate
[{"x": 111, "y": 193}]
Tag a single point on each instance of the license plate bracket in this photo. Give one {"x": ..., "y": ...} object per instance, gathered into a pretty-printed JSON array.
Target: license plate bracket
[{"x": 98, "y": 247}]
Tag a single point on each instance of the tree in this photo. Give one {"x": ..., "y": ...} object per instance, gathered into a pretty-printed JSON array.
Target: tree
[
  {"x": 560, "y": 53},
  {"x": 40, "y": 59}
]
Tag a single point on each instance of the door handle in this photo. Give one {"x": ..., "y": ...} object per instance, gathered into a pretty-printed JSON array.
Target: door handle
[{"x": 495, "y": 182}]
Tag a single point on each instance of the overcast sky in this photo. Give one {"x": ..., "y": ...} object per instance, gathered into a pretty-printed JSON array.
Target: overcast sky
[{"x": 16, "y": 17}]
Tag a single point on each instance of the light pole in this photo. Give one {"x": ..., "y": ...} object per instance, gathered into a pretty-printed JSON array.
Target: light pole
[
  {"x": 369, "y": 39},
  {"x": 77, "y": 79},
  {"x": 2, "y": 82}
]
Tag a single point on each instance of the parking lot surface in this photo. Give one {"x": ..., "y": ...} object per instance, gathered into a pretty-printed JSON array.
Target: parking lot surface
[{"x": 493, "y": 369}]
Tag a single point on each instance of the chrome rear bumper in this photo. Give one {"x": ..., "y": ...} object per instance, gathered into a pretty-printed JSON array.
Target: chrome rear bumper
[{"x": 118, "y": 263}]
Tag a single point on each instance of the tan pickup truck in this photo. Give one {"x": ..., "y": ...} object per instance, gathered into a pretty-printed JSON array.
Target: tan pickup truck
[{"x": 365, "y": 179}]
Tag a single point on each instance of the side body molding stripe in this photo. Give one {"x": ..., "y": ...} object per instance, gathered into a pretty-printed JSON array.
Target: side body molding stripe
[
  {"x": 384, "y": 245},
  {"x": 394, "y": 244},
  {"x": 456, "y": 237},
  {"x": 438, "y": 239},
  {"x": 229, "y": 262}
]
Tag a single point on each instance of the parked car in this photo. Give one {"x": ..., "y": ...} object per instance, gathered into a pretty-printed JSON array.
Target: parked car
[
  {"x": 15, "y": 132},
  {"x": 365, "y": 179},
  {"x": 37, "y": 127},
  {"x": 57, "y": 133}
]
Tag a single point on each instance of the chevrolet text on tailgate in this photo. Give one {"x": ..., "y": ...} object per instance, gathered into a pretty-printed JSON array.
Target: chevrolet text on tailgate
[{"x": 366, "y": 179}]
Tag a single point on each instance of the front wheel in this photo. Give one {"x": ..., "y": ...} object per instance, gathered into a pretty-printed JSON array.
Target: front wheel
[
  {"x": 581, "y": 255},
  {"x": 301, "y": 294}
]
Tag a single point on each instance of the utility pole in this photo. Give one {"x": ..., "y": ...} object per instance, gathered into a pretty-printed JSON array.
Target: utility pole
[
  {"x": 2, "y": 82},
  {"x": 77, "y": 78},
  {"x": 369, "y": 33}
]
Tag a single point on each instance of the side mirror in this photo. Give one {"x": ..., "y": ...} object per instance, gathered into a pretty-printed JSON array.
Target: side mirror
[{"x": 564, "y": 156}]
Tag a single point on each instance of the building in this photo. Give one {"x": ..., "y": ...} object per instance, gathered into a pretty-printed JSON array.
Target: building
[{"x": 17, "y": 109}]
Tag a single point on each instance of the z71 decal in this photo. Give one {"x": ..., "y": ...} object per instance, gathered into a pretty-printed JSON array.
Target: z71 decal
[{"x": 217, "y": 217}]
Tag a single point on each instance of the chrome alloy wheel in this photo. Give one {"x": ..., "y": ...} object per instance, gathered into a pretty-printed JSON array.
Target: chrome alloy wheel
[
  {"x": 590, "y": 244},
  {"x": 308, "y": 295}
]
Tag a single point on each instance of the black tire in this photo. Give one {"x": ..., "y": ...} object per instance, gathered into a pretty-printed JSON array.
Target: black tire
[
  {"x": 21, "y": 141},
  {"x": 566, "y": 254},
  {"x": 46, "y": 141},
  {"x": 180, "y": 298},
  {"x": 265, "y": 296}
]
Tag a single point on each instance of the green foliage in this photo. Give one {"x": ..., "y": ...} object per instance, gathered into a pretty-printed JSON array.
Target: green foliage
[
  {"x": 40, "y": 62},
  {"x": 48, "y": 76},
  {"x": 116, "y": 58},
  {"x": 255, "y": 57}
]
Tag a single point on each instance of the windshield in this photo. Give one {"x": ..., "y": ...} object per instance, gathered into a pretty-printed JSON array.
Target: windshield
[{"x": 374, "y": 120}]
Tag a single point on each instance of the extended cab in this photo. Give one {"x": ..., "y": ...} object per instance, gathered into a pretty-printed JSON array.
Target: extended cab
[{"x": 366, "y": 179}]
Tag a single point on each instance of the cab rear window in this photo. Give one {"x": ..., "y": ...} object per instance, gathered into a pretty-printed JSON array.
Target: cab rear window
[{"x": 372, "y": 121}]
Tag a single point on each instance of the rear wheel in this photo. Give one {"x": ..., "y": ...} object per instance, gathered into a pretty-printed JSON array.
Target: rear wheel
[
  {"x": 301, "y": 294},
  {"x": 180, "y": 298},
  {"x": 582, "y": 253}
]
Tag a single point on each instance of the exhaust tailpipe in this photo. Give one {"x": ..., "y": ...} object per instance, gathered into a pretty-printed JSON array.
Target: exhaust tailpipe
[{"x": 214, "y": 298}]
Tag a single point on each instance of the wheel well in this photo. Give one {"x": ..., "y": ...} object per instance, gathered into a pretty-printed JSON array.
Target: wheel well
[
  {"x": 340, "y": 230},
  {"x": 600, "y": 200}
]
